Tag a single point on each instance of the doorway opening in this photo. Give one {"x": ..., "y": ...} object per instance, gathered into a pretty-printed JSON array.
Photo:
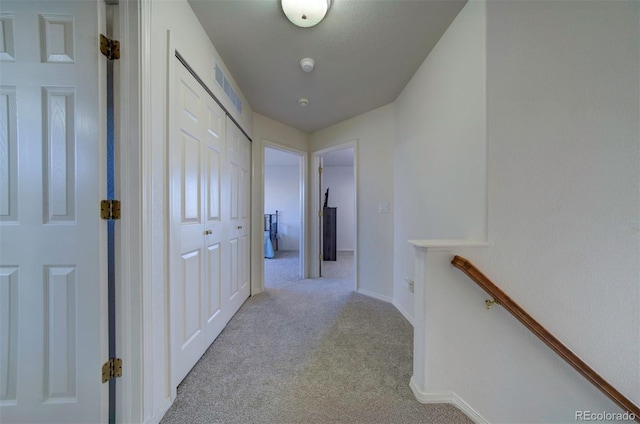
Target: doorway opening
[
  {"x": 334, "y": 197},
  {"x": 284, "y": 197}
]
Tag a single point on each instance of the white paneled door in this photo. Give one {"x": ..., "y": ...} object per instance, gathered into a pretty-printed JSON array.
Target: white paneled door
[
  {"x": 52, "y": 312},
  {"x": 239, "y": 149},
  {"x": 203, "y": 243}
]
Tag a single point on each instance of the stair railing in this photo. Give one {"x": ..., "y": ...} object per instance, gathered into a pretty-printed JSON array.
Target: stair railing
[{"x": 499, "y": 297}]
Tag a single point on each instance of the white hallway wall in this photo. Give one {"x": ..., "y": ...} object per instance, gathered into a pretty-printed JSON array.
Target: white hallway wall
[
  {"x": 564, "y": 164},
  {"x": 440, "y": 147},
  {"x": 340, "y": 181},
  {"x": 373, "y": 132},
  {"x": 561, "y": 138},
  {"x": 282, "y": 193}
]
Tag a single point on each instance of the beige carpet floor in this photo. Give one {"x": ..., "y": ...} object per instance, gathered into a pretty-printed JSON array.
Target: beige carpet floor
[
  {"x": 285, "y": 266},
  {"x": 308, "y": 351}
]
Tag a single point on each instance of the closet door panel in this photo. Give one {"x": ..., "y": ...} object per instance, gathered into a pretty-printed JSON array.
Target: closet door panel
[{"x": 198, "y": 264}]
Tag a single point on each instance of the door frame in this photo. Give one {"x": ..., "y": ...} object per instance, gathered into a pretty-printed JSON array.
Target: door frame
[
  {"x": 316, "y": 206},
  {"x": 133, "y": 231},
  {"x": 302, "y": 169}
]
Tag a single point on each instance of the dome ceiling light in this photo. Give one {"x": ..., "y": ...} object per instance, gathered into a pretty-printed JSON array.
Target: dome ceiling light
[{"x": 305, "y": 13}]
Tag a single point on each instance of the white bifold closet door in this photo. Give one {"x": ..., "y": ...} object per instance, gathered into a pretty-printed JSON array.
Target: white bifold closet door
[
  {"x": 209, "y": 194},
  {"x": 239, "y": 157}
]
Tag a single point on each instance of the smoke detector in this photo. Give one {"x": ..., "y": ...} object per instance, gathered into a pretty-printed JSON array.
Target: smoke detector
[
  {"x": 303, "y": 102},
  {"x": 307, "y": 64}
]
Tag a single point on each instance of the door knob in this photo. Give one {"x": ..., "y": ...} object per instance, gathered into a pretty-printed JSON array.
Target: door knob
[
  {"x": 208, "y": 232},
  {"x": 239, "y": 227}
]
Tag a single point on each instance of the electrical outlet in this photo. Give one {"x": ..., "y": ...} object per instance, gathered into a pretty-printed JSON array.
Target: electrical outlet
[{"x": 408, "y": 284}]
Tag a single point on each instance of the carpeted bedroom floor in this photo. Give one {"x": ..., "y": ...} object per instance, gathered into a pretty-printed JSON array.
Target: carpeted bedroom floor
[
  {"x": 285, "y": 266},
  {"x": 308, "y": 351}
]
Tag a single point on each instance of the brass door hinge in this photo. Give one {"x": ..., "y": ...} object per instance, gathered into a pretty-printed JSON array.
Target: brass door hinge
[
  {"x": 320, "y": 256},
  {"x": 111, "y": 369},
  {"x": 320, "y": 214},
  {"x": 110, "y": 48},
  {"x": 110, "y": 209},
  {"x": 320, "y": 170}
]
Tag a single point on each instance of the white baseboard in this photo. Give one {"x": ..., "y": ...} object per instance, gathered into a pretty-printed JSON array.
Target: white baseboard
[
  {"x": 159, "y": 414},
  {"x": 403, "y": 312},
  {"x": 375, "y": 295},
  {"x": 447, "y": 397},
  {"x": 345, "y": 252},
  {"x": 388, "y": 300}
]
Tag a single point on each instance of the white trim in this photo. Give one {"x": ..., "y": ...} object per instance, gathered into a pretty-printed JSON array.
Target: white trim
[
  {"x": 149, "y": 340},
  {"x": 447, "y": 245},
  {"x": 356, "y": 233},
  {"x": 447, "y": 397},
  {"x": 157, "y": 416},
  {"x": 345, "y": 252},
  {"x": 403, "y": 312},
  {"x": 302, "y": 167},
  {"x": 172, "y": 236},
  {"x": 130, "y": 331},
  {"x": 313, "y": 221},
  {"x": 315, "y": 206},
  {"x": 388, "y": 300},
  {"x": 101, "y": 16},
  {"x": 375, "y": 295}
]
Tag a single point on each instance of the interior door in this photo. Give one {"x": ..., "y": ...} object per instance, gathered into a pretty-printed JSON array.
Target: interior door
[
  {"x": 239, "y": 159},
  {"x": 52, "y": 305},
  {"x": 198, "y": 189}
]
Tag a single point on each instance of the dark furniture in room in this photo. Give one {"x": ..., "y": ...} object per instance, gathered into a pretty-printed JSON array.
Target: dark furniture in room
[{"x": 329, "y": 233}]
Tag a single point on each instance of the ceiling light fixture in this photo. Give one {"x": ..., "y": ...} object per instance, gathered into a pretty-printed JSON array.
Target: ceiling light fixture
[
  {"x": 305, "y": 13},
  {"x": 303, "y": 102}
]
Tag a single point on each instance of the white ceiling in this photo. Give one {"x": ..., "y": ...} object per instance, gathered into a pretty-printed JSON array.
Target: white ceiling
[{"x": 366, "y": 51}]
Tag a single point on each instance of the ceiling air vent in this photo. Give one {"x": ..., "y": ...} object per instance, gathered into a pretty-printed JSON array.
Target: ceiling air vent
[{"x": 224, "y": 83}]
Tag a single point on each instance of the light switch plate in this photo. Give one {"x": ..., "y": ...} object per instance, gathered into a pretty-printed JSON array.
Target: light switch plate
[{"x": 383, "y": 207}]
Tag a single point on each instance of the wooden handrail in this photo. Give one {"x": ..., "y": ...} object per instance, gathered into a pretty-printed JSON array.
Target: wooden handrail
[{"x": 543, "y": 334}]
